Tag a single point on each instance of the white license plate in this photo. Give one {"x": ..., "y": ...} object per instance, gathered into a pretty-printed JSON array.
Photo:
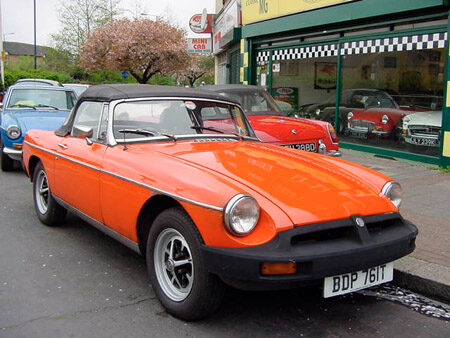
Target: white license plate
[
  {"x": 302, "y": 146},
  {"x": 354, "y": 281},
  {"x": 424, "y": 141}
]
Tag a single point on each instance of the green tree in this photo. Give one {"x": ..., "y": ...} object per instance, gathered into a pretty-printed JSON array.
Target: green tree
[{"x": 79, "y": 18}]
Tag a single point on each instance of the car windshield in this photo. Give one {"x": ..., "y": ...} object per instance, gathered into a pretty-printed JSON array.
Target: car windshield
[
  {"x": 41, "y": 98},
  {"x": 254, "y": 102},
  {"x": 78, "y": 89},
  {"x": 374, "y": 99},
  {"x": 150, "y": 118}
]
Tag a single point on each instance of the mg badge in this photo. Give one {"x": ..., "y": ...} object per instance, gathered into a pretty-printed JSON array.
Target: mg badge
[
  {"x": 293, "y": 131},
  {"x": 360, "y": 222}
]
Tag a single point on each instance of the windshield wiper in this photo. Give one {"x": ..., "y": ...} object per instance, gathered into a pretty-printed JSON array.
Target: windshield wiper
[
  {"x": 217, "y": 131},
  {"x": 208, "y": 128},
  {"x": 147, "y": 132},
  {"x": 23, "y": 106},
  {"x": 46, "y": 106}
]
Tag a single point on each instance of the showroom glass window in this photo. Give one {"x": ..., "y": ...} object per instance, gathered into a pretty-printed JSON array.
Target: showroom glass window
[
  {"x": 392, "y": 92},
  {"x": 304, "y": 78}
]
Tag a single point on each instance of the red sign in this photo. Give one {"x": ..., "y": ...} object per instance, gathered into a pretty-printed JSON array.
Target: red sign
[{"x": 200, "y": 23}]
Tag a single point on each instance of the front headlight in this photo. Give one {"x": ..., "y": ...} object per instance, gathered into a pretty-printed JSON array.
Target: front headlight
[
  {"x": 406, "y": 119},
  {"x": 13, "y": 132},
  {"x": 241, "y": 215},
  {"x": 385, "y": 119},
  {"x": 349, "y": 115},
  {"x": 393, "y": 191}
]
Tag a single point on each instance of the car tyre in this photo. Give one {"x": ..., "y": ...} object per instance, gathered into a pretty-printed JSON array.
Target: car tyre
[
  {"x": 47, "y": 209},
  {"x": 177, "y": 269},
  {"x": 7, "y": 163}
]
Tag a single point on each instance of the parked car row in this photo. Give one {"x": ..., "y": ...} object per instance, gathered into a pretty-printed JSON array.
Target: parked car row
[
  {"x": 180, "y": 176},
  {"x": 372, "y": 113}
]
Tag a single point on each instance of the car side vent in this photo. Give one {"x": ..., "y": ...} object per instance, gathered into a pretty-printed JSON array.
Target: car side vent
[{"x": 215, "y": 139}]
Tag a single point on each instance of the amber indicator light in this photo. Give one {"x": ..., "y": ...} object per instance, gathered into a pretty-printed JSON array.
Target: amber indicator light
[{"x": 288, "y": 268}]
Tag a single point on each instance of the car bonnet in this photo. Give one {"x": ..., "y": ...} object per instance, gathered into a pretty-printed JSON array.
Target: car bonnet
[
  {"x": 280, "y": 129},
  {"x": 309, "y": 188},
  {"x": 45, "y": 120}
]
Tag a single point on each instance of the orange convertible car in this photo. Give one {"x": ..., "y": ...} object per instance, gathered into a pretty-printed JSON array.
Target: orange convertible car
[{"x": 214, "y": 206}]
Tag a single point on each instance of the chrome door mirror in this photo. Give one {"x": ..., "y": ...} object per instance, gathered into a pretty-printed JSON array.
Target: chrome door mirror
[{"x": 82, "y": 132}]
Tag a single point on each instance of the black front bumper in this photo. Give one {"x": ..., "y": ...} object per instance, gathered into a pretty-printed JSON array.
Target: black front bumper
[{"x": 318, "y": 250}]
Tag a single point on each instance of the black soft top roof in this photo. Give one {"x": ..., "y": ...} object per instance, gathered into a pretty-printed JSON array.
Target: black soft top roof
[
  {"x": 112, "y": 92},
  {"x": 107, "y": 93}
]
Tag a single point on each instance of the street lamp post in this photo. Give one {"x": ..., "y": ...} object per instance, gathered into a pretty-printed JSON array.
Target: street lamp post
[
  {"x": 1, "y": 50},
  {"x": 35, "y": 46}
]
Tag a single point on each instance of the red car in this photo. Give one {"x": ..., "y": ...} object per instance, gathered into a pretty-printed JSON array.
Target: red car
[
  {"x": 381, "y": 116},
  {"x": 271, "y": 125}
]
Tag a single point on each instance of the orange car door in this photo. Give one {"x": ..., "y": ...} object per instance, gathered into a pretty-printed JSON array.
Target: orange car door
[{"x": 78, "y": 166}]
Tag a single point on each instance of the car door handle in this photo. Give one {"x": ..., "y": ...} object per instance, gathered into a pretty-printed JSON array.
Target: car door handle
[{"x": 62, "y": 145}]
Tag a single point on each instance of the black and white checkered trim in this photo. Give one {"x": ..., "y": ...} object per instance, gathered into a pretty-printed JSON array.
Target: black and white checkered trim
[
  {"x": 305, "y": 52},
  {"x": 262, "y": 58},
  {"x": 397, "y": 44}
]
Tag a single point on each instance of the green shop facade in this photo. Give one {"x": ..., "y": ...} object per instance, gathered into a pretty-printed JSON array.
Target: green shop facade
[{"x": 378, "y": 70}]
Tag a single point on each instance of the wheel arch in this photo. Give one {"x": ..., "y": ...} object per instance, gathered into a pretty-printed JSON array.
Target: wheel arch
[
  {"x": 32, "y": 163},
  {"x": 148, "y": 213}
]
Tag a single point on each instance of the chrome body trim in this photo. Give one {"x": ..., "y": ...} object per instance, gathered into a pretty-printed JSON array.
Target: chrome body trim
[
  {"x": 13, "y": 153},
  {"x": 100, "y": 226},
  {"x": 181, "y": 198}
]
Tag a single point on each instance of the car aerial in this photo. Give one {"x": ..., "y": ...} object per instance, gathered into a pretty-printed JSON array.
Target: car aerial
[
  {"x": 38, "y": 82},
  {"x": 351, "y": 100},
  {"x": 78, "y": 88},
  {"x": 210, "y": 206},
  {"x": 423, "y": 128},
  {"x": 30, "y": 107},
  {"x": 272, "y": 125}
]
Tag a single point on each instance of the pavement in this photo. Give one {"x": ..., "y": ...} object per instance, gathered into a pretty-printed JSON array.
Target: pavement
[{"x": 426, "y": 204}]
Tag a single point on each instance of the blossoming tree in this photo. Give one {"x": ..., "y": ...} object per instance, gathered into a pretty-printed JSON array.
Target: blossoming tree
[{"x": 142, "y": 47}]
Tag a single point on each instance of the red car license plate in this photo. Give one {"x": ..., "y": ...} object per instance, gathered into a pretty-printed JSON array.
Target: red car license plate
[{"x": 303, "y": 146}]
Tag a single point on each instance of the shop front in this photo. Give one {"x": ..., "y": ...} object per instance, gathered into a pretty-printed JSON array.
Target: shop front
[{"x": 375, "y": 69}]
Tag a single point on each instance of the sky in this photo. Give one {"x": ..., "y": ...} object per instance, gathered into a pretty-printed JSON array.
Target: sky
[{"x": 17, "y": 16}]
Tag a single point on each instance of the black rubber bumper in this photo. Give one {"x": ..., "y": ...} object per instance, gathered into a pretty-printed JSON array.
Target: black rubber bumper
[{"x": 318, "y": 250}]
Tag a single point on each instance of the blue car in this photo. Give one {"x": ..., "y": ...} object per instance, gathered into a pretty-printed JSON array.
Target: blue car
[{"x": 28, "y": 107}]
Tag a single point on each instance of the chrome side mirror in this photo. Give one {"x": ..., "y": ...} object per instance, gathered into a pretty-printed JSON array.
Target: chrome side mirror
[{"x": 82, "y": 132}]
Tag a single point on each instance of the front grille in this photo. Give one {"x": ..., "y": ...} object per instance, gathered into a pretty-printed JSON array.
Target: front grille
[
  {"x": 362, "y": 125},
  {"x": 322, "y": 236},
  {"x": 345, "y": 230},
  {"x": 425, "y": 131}
]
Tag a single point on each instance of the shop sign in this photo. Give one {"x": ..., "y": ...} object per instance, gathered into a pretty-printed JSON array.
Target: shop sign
[
  {"x": 224, "y": 26},
  {"x": 199, "y": 45},
  {"x": 286, "y": 94},
  {"x": 257, "y": 10},
  {"x": 201, "y": 23},
  {"x": 325, "y": 75},
  {"x": 276, "y": 68}
]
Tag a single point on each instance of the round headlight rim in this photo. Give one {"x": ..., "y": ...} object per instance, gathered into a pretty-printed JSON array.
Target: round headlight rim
[
  {"x": 350, "y": 115},
  {"x": 227, "y": 214},
  {"x": 8, "y": 132},
  {"x": 387, "y": 187},
  {"x": 385, "y": 119}
]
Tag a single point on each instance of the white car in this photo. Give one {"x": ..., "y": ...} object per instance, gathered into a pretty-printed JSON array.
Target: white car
[{"x": 423, "y": 129}]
